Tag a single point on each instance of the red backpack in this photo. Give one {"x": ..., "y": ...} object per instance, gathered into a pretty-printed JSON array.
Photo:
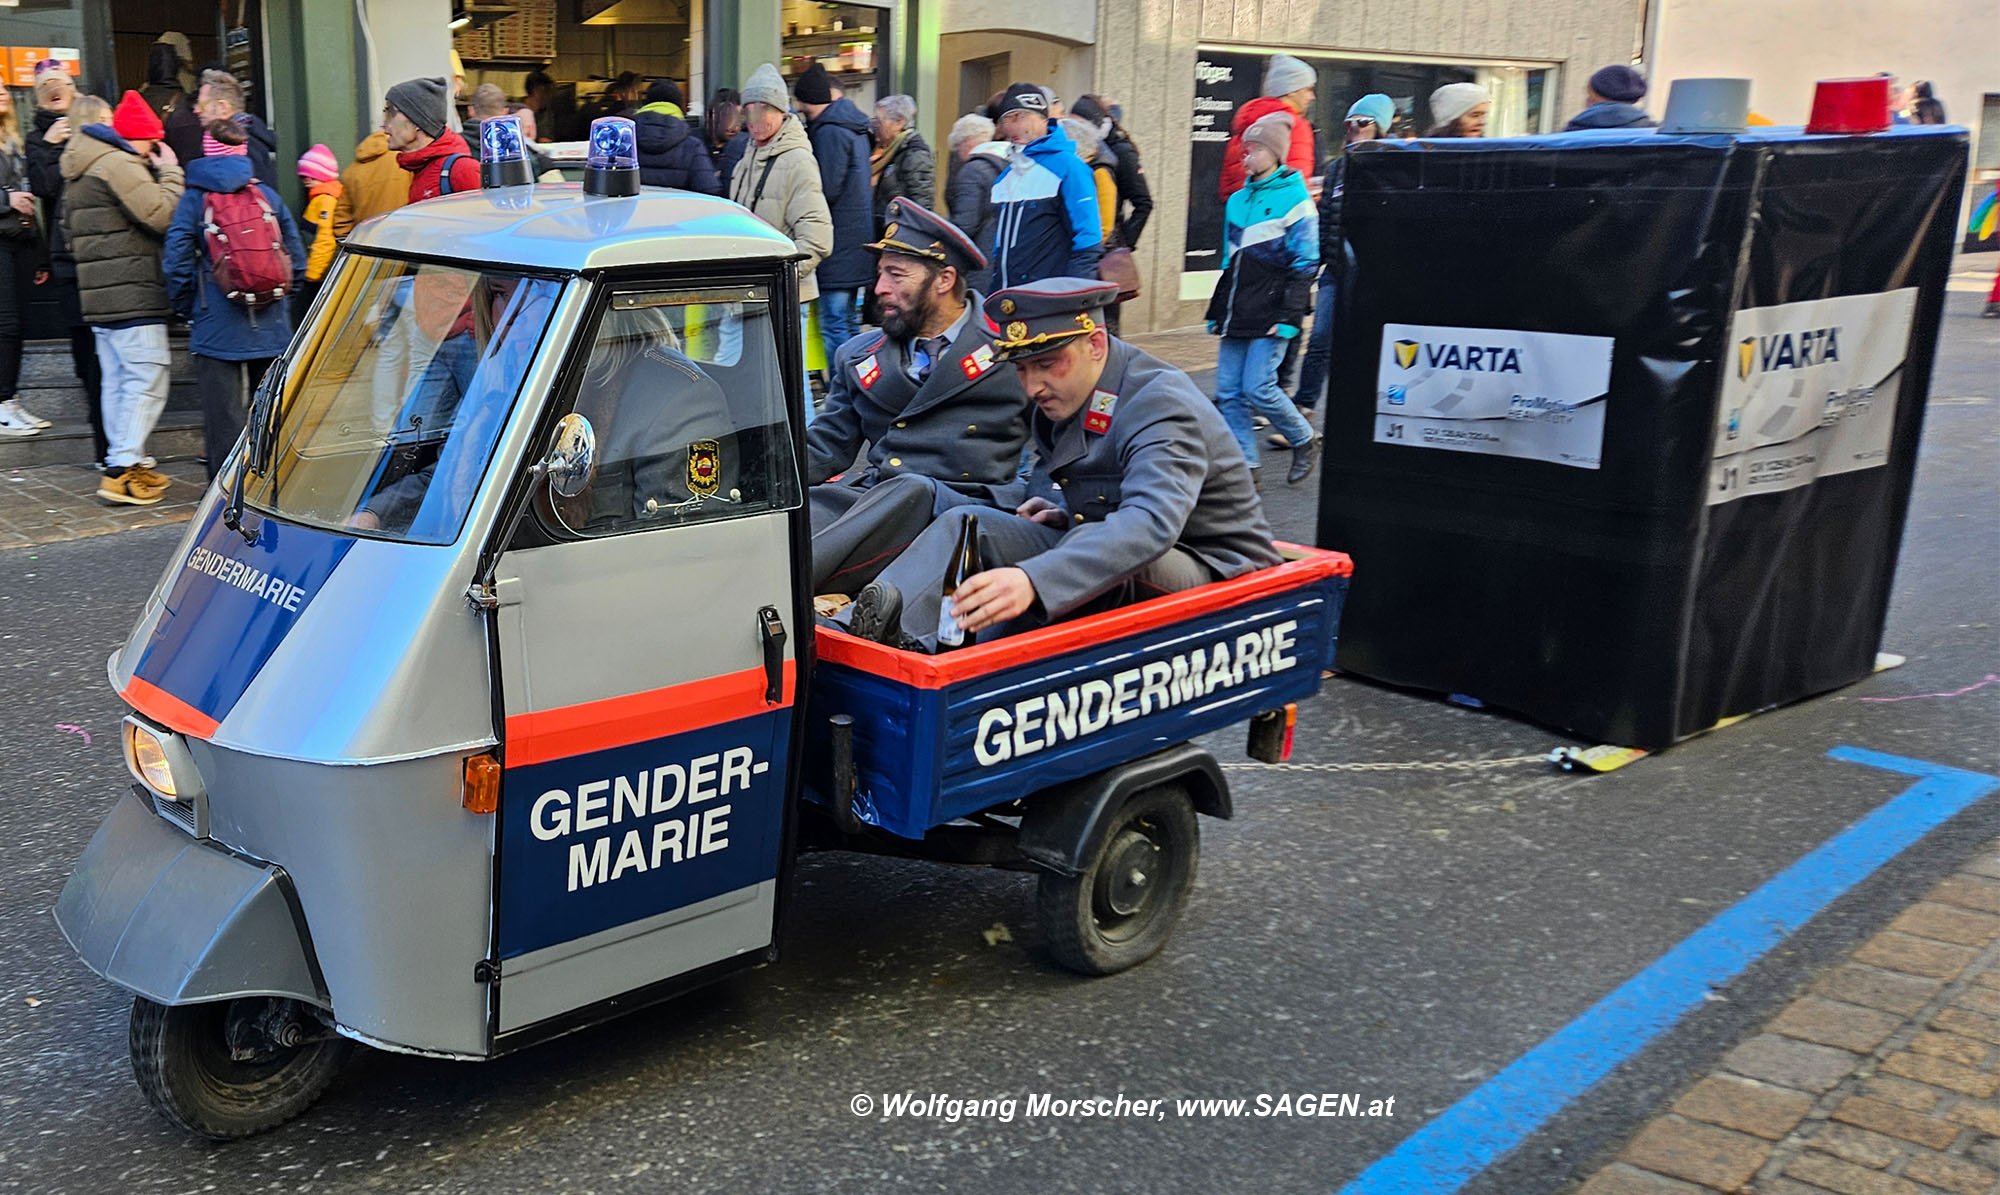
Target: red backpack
[{"x": 246, "y": 246}]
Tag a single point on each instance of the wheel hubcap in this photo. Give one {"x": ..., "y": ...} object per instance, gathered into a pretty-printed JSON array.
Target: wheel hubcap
[{"x": 1125, "y": 883}]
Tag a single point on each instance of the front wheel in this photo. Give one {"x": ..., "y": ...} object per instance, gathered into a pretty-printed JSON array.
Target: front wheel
[
  {"x": 232, "y": 1068},
  {"x": 1120, "y": 911}
]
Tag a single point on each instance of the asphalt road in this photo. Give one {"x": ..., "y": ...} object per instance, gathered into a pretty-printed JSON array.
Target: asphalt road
[{"x": 1400, "y": 933}]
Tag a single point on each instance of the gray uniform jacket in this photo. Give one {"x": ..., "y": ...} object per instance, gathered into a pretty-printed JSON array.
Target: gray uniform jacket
[
  {"x": 1165, "y": 473},
  {"x": 965, "y": 426}
]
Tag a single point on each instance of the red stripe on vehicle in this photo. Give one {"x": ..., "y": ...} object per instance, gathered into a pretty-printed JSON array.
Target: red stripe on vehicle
[
  {"x": 1303, "y": 567},
  {"x": 638, "y": 717},
  {"x": 168, "y": 710}
]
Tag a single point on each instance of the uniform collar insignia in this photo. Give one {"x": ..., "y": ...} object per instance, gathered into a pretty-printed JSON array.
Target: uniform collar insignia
[{"x": 1097, "y": 414}]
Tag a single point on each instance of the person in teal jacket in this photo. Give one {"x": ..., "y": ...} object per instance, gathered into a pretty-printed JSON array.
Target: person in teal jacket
[{"x": 1269, "y": 253}]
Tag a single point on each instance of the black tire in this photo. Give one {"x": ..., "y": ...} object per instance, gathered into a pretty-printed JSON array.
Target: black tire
[
  {"x": 181, "y": 1058},
  {"x": 1124, "y": 906}
]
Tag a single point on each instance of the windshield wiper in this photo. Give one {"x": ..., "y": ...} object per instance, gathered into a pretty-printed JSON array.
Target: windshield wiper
[{"x": 256, "y": 449}]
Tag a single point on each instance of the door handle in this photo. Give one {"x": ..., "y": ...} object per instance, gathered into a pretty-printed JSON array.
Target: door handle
[{"x": 771, "y": 629}]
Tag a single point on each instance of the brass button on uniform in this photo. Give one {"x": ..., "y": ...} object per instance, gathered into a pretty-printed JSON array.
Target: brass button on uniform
[
  {"x": 901, "y": 423},
  {"x": 896, "y": 461},
  {"x": 1077, "y": 518},
  {"x": 972, "y": 427}
]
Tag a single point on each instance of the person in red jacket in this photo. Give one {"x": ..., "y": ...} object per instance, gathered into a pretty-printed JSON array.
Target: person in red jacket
[
  {"x": 1289, "y": 86},
  {"x": 414, "y": 122}
]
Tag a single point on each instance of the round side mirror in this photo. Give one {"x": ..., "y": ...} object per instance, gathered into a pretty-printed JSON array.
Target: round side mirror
[{"x": 572, "y": 459}]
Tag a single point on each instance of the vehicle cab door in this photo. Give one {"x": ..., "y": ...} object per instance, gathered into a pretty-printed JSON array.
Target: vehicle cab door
[{"x": 647, "y": 628}]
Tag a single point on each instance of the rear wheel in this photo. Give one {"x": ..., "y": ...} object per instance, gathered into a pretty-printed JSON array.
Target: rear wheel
[
  {"x": 1121, "y": 910},
  {"x": 232, "y": 1068}
]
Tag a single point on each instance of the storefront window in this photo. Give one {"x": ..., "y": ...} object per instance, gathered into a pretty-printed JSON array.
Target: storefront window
[
  {"x": 601, "y": 55},
  {"x": 850, "y": 40},
  {"x": 1225, "y": 80},
  {"x": 46, "y": 31}
]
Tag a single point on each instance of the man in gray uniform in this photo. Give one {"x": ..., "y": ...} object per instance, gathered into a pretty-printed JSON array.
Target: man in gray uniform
[
  {"x": 944, "y": 421},
  {"x": 1156, "y": 496}
]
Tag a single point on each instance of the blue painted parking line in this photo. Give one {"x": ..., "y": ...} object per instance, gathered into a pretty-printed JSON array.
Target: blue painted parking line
[{"x": 1504, "y": 1111}]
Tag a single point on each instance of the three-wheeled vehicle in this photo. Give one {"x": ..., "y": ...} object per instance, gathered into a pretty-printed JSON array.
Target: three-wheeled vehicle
[{"x": 468, "y": 711}]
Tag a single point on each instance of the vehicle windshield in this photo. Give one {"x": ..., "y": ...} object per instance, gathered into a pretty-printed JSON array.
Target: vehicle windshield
[{"x": 392, "y": 404}]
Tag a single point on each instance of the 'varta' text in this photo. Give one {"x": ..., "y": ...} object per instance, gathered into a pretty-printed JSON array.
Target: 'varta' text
[
  {"x": 1798, "y": 350},
  {"x": 1473, "y": 358}
]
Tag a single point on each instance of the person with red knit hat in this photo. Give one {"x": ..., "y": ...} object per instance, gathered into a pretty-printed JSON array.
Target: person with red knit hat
[{"x": 122, "y": 184}]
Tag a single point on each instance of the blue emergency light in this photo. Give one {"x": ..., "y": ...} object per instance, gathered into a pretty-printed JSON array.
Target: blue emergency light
[
  {"x": 503, "y": 153},
  {"x": 611, "y": 166}
]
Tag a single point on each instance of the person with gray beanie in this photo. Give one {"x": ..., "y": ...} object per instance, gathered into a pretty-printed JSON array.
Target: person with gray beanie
[
  {"x": 1289, "y": 87},
  {"x": 778, "y": 180},
  {"x": 437, "y": 158},
  {"x": 1614, "y": 93},
  {"x": 1460, "y": 110}
]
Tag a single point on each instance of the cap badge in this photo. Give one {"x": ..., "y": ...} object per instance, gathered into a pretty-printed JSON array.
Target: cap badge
[
  {"x": 1017, "y": 331},
  {"x": 1006, "y": 307}
]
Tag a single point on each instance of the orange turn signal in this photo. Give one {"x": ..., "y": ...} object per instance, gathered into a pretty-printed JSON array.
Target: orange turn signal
[{"x": 482, "y": 784}]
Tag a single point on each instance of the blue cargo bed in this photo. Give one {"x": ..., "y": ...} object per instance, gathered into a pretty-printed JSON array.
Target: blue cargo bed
[{"x": 937, "y": 738}]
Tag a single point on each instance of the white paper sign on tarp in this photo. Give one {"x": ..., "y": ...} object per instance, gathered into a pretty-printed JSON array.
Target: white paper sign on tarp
[
  {"x": 1809, "y": 390},
  {"x": 1539, "y": 396}
]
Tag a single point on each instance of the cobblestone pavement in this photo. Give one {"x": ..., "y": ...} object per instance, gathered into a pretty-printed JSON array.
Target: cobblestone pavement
[
  {"x": 48, "y": 503},
  {"x": 1879, "y": 1080}
]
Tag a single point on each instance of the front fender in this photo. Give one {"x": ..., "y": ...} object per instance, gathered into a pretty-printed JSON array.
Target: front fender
[
  {"x": 1064, "y": 824},
  {"x": 180, "y": 920}
]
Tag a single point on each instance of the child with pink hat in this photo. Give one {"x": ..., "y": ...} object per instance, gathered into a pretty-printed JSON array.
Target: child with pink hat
[{"x": 319, "y": 170}]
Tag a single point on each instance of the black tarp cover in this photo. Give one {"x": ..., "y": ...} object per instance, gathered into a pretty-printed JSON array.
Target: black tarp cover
[{"x": 1608, "y": 594}]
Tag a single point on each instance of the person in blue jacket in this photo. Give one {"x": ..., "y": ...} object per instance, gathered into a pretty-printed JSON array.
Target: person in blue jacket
[
  {"x": 670, "y": 154},
  {"x": 1269, "y": 253},
  {"x": 841, "y": 144},
  {"x": 1045, "y": 217},
  {"x": 232, "y": 344}
]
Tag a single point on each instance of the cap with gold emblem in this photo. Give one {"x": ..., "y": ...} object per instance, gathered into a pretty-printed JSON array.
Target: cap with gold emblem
[
  {"x": 915, "y": 231},
  {"x": 1028, "y": 320}
]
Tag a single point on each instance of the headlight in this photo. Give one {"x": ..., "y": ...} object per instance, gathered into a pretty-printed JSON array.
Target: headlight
[{"x": 146, "y": 755}]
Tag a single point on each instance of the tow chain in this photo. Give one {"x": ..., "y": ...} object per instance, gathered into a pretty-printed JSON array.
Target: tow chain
[{"x": 1423, "y": 765}]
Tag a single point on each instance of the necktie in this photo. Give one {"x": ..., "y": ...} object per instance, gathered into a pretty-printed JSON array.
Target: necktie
[{"x": 928, "y": 350}]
